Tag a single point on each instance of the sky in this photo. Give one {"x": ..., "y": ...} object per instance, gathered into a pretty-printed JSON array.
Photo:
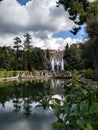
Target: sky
[{"x": 48, "y": 25}]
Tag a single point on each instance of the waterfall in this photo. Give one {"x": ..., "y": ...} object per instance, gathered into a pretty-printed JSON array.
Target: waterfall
[
  {"x": 52, "y": 65},
  {"x": 62, "y": 65},
  {"x": 57, "y": 64}
]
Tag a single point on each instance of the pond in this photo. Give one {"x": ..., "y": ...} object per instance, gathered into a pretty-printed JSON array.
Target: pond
[{"x": 20, "y": 104}]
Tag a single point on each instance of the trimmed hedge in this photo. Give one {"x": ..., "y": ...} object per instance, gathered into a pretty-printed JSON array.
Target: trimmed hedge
[
  {"x": 91, "y": 74},
  {"x": 4, "y": 73}
]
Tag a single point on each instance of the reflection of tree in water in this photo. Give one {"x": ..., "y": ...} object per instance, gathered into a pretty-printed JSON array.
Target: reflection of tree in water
[
  {"x": 23, "y": 94},
  {"x": 16, "y": 97},
  {"x": 5, "y": 92},
  {"x": 27, "y": 107},
  {"x": 17, "y": 105}
]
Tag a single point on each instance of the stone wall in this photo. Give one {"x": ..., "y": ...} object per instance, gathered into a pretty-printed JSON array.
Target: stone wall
[{"x": 56, "y": 54}]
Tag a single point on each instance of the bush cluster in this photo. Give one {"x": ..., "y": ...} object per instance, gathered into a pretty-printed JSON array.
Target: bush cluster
[{"x": 91, "y": 74}]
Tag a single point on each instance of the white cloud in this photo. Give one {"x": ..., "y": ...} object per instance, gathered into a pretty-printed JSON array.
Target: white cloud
[
  {"x": 91, "y": 0},
  {"x": 41, "y": 18},
  {"x": 51, "y": 43},
  {"x": 13, "y": 17}
]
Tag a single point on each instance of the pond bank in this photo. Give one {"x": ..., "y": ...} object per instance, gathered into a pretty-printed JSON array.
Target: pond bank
[
  {"x": 38, "y": 76},
  {"x": 23, "y": 78}
]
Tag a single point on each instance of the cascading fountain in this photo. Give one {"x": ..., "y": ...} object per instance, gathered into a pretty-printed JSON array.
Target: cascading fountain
[
  {"x": 57, "y": 64},
  {"x": 52, "y": 65},
  {"x": 62, "y": 65}
]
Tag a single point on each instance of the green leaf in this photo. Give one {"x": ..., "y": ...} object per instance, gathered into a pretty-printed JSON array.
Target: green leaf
[
  {"x": 81, "y": 123},
  {"x": 88, "y": 126},
  {"x": 57, "y": 101},
  {"x": 66, "y": 108},
  {"x": 58, "y": 126}
]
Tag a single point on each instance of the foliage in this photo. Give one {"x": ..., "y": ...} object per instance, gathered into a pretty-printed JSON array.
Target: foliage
[
  {"x": 48, "y": 59},
  {"x": 34, "y": 71},
  {"x": 78, "y": 109},
  {"x": 38, "y": 59},
  {"x": 7, "y": 58},
  {"x": 5, "y": 73},
  {"x": 75, "y": 8},
  {"x": 17, "y": 46},
  {"x": 28, "y": 50},
  {"x": 86, "y": 55},
  {"x": 72, "y": 57},
  {"x": 79, "y": 11},
  {"x": 92, "y": 30},
  {"x": 22, "y": 56},
  {"x": 91, "y": 74},
  {"x": 47, "y": 54}
]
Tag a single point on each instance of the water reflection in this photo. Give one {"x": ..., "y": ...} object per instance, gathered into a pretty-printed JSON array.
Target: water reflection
[
  {"x": 57, "y": 86},
  {"x": 18, "y": 101},
  {"x": 40, "y": 119}
]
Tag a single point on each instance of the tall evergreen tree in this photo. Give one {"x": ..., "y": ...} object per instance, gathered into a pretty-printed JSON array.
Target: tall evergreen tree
[
  {"x": 17, "y": 46},
  {"x": 28, "y": 50}
]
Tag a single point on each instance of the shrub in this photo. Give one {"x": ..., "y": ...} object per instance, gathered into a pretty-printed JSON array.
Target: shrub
[
  {"x": 89, "y": 73},
  {"x": 96, "y": 74}
]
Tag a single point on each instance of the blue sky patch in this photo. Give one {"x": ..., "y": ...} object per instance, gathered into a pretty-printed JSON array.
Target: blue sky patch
[
  {"x": 23, "y": 2},
  {"x": 65, "y": 34}
]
